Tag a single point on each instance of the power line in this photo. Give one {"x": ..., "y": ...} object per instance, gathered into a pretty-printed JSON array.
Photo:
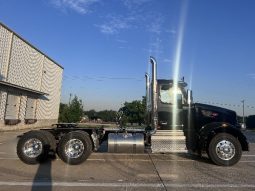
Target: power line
[
  {"x": 100, "y": 78},
  {"x": 227, "y": 104}
]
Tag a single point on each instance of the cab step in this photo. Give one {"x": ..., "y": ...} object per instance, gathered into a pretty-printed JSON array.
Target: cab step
[{"x": 168, "y": 141}]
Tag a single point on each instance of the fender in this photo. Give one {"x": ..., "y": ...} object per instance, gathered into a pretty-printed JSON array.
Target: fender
[{"x": 208, "y": 131}]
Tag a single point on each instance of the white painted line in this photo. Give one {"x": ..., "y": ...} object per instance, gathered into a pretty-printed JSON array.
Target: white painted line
[
  {"x": 80, "y": 184},
  {"x": 172, "y": 176},
  {"x": 248, "y": 155},
  {"x": 248, "y": 161},
  {"x": 6, "y": 158},
  {"x": 123, "y": 184},
  {"x": 210, "y": 185}
]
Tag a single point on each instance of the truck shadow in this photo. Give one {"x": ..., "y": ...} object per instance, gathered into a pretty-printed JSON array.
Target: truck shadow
[
  {"x": 43, "y": 179},
  {"x": 103, "y": 147},
  {"x": 202, "y": 159}
]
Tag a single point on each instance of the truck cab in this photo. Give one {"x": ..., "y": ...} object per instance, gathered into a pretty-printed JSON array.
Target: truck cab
[{"x": 179, "y": 125}]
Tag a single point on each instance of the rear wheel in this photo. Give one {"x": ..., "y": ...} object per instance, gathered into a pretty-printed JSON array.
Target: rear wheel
[
  {"x": 75, "y": 147},
  {"x": 33, "y": 147},
  {"x": 224, "y": 149}
]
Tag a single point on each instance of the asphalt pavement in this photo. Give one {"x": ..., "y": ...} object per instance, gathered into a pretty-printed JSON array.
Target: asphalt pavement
[{"x": 105, "y": 171}]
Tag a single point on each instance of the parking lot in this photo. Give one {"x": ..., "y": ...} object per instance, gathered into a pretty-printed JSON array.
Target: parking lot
[{"x": 105, "y": 171}]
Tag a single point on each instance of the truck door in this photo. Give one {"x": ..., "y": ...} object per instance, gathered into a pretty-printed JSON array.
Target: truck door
[{"x": 170, "y": 113}]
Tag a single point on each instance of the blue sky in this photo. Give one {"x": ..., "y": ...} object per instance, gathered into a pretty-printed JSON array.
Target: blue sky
[{"x": 104, "y": 46}]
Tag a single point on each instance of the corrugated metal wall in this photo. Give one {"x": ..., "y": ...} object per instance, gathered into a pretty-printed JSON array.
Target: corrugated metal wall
[
  {"x": 23, "y": 65},
  {"x": 48, "y": 107},
  {"x": 23, "y": 108},
  {"x": 3, "y": 104},
  {"x": 5, "y": 46},
  {"x": 26, "y": 64}
]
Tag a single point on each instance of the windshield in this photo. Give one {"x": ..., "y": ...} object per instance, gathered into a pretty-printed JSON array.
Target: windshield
[{"x": 167, "y": 94}]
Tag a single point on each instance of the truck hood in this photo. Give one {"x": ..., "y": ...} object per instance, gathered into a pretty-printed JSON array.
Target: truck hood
[{"x": 216, "y": 114}]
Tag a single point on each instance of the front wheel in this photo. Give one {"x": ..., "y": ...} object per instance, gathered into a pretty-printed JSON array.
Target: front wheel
[{"x": 224, "y": 149}]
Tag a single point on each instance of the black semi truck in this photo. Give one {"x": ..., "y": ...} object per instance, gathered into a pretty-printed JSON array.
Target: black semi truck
[{"x": 174, "y": 124}]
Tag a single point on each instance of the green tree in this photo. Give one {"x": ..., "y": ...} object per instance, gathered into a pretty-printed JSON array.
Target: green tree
[
  {"x": 135, "y": 111},
  {"x": 63, "y": 112},
  {"x": 92, "y": 114},
  {"x": 107, "y": 115},
  {"x": 71, "y": 113}
]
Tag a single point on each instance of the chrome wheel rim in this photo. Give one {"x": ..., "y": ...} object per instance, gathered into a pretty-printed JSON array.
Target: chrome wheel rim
[
  {"x": 33, "y": 148},
  {"x": 74, "y": 148},
  {"x": 225, "y": 150}
]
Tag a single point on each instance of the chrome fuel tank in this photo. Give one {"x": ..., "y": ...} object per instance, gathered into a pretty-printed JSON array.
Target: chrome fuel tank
[{"x": 125, "y": 143}]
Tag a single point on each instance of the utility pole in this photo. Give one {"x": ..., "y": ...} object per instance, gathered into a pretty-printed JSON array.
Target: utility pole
[{"x": 243, "y": 114}]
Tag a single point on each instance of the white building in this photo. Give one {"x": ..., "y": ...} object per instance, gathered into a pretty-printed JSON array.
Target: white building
[{"x": 30, "y": 84}]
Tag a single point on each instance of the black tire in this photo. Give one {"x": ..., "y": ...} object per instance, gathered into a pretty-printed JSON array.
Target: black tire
[
  {"x": 83, "y": 138},
  {"x": 51, "y": 140},
  {"x": 23, "y": 142},
  {"x": 228, "y": 161}
]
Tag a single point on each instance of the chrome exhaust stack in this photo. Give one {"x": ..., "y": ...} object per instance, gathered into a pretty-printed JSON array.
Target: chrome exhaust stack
[
  {"x": 147, "y": 81},
  {"x": 154, "y": 116}
]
